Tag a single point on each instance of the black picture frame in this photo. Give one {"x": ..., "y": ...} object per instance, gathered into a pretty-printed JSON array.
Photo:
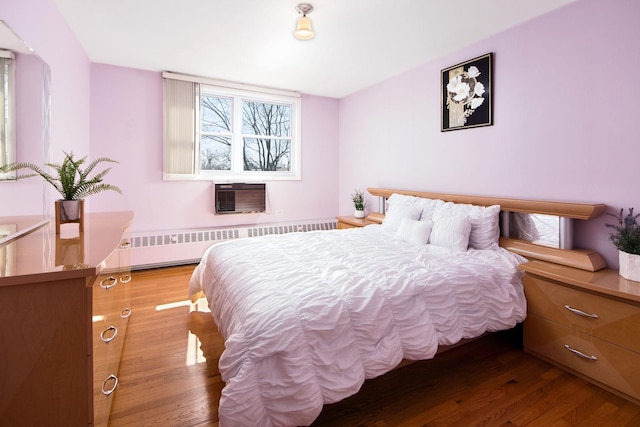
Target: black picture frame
[{"x": 467, "y": 94}]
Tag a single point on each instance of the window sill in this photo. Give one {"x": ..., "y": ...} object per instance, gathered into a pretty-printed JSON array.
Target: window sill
[{"x": 231, "y": 178}]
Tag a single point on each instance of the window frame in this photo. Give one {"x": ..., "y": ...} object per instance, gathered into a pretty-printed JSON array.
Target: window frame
[
  {"x": 238, "y": 93},
  {"x": 8, "y": 98}
]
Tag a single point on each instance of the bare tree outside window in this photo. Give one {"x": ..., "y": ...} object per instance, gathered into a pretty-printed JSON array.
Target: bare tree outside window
[
  {"x": 266, "y": 130},
  {"x": 245, "y": 135},
  {"x": 215, "y": 133}
]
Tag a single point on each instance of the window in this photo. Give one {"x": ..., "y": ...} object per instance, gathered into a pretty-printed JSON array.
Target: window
[
  {"x": 227, "y": 133},
  {"x": 7, "y": 111}
]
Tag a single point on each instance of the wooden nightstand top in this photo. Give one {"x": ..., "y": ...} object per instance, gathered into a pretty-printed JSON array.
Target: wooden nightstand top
[
  {"x": 352, "y": 221},
  {"x": 606, "y": 281}
]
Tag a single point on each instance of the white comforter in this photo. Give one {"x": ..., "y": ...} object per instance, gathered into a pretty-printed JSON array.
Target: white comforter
[{"x": 307, "y": 317}]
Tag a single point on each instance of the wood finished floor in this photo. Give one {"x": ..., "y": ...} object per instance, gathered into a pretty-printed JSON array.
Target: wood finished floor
[{"x": 169, "y": 377}]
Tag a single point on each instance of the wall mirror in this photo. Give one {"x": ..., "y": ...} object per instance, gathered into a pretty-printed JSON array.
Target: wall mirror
[
  {"x": 25, "y": 136},
  {"x": 547, "y": 230},
  {"x": 25, "y": 101}
]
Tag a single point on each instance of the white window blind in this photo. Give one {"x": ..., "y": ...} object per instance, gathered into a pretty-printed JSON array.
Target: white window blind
[{"x": 180, "y": 121}]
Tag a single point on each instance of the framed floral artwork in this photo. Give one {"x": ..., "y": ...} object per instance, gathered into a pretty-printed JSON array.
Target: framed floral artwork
[{"x": 467, "y": 94}]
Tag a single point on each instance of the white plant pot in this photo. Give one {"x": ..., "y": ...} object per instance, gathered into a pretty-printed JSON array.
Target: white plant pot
[
  {"x": 629, "y": 266},
  {"x": 359, "y": 214}
]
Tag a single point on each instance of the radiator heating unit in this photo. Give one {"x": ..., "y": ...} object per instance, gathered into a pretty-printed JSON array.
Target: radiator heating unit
[{"x": 151, "y": 249}]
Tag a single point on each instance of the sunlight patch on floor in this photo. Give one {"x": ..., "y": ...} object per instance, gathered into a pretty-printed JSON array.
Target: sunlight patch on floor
[
  {"x": 194, "y": 352},
  {"x": 170, "y": 305},
  {"x": 194, "y": 346}
]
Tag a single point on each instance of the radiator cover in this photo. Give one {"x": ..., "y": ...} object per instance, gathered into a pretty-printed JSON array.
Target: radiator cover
[{"x": 152, "y": 249}]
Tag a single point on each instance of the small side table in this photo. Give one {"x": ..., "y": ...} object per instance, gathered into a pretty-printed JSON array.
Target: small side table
[{"x": 351, "y": 222}]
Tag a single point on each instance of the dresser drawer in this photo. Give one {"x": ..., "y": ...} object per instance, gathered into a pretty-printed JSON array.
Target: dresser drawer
[
  {"x": 615, "y": 366},
  {"x": 610, "y": 320},
  {"x": 110, "y": 320}
]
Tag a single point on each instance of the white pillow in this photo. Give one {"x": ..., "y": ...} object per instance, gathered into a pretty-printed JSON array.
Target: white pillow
[
  {"x": 400, "y": 199},
  {"x": 396, "y": 213},
  {"x": 427, "y": 207},
  {"x": 485, "y": 227},
  {"x": 485, "y": 222},
  {"x": 414, "y": 232},
  {"x": 450, "y": 231}
]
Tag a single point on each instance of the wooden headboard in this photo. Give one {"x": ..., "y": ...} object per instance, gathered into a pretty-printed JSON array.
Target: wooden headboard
[{"x": 578, "y": 258}]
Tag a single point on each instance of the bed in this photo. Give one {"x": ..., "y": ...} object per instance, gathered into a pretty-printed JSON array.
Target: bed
[{"x": 308, "y": 317}]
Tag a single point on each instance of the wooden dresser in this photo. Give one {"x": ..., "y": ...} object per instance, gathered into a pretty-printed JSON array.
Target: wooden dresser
[
  {"x": 585, "y": 322},
  {"x": 52, "y": 312}
]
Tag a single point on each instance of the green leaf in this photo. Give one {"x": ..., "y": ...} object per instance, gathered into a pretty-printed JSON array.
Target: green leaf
[{"x": 69, "y": 179}]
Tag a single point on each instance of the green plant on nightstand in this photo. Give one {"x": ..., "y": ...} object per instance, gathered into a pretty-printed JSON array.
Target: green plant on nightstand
[
  {"x": 358, "y": 202},
  {"x": 626, "y": 238}
]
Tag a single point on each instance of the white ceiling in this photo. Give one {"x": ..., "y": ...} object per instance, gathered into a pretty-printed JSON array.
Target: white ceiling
[{"x": 358, "y": 42}]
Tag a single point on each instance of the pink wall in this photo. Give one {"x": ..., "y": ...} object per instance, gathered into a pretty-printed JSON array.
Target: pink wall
[
  {"x": 41, "y": 25},
  {"x": 126, "y": 125},
  {"x": 564, "y": 110},
  {"x": 564, "y": 100}
]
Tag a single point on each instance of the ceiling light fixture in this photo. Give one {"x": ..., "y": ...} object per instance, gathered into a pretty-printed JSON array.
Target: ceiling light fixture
[{"x": 303, "y": 28}]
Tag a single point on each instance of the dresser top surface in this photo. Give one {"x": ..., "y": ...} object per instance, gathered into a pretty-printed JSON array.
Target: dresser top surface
[
  {"x": 606, "y": 281},
  {"x": 42, "y": 255}
]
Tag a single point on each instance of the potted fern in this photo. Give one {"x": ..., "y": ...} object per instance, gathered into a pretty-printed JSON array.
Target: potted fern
[
  {"x": 627, "y": 239},
  {"x": 358, "y": 202},
  {"x": 70, "y": 180}
]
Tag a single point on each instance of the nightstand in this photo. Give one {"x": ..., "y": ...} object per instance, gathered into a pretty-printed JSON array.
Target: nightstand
[
  {"x": 587, "y": 323},
  {"x": 350, "y": 222},
  {"x": 353, "y": 222}
]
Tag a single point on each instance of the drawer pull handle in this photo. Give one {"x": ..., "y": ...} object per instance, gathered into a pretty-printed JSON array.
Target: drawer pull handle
[
  {"x": 126, "y": 312},
  {"x": 580, "y": 312},
  {"x": 113, "y": 387},
  {"x": 125, "y": 245},
  {"x": 108, "y": 339},
  {"x": 126, "y": 278},
  {"x": 109, "y": 282},
  {"x": 580, "y": 354}
]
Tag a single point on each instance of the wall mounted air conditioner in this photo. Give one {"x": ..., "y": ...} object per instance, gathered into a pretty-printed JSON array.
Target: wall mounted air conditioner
[{"x": 240, "y": 198}]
